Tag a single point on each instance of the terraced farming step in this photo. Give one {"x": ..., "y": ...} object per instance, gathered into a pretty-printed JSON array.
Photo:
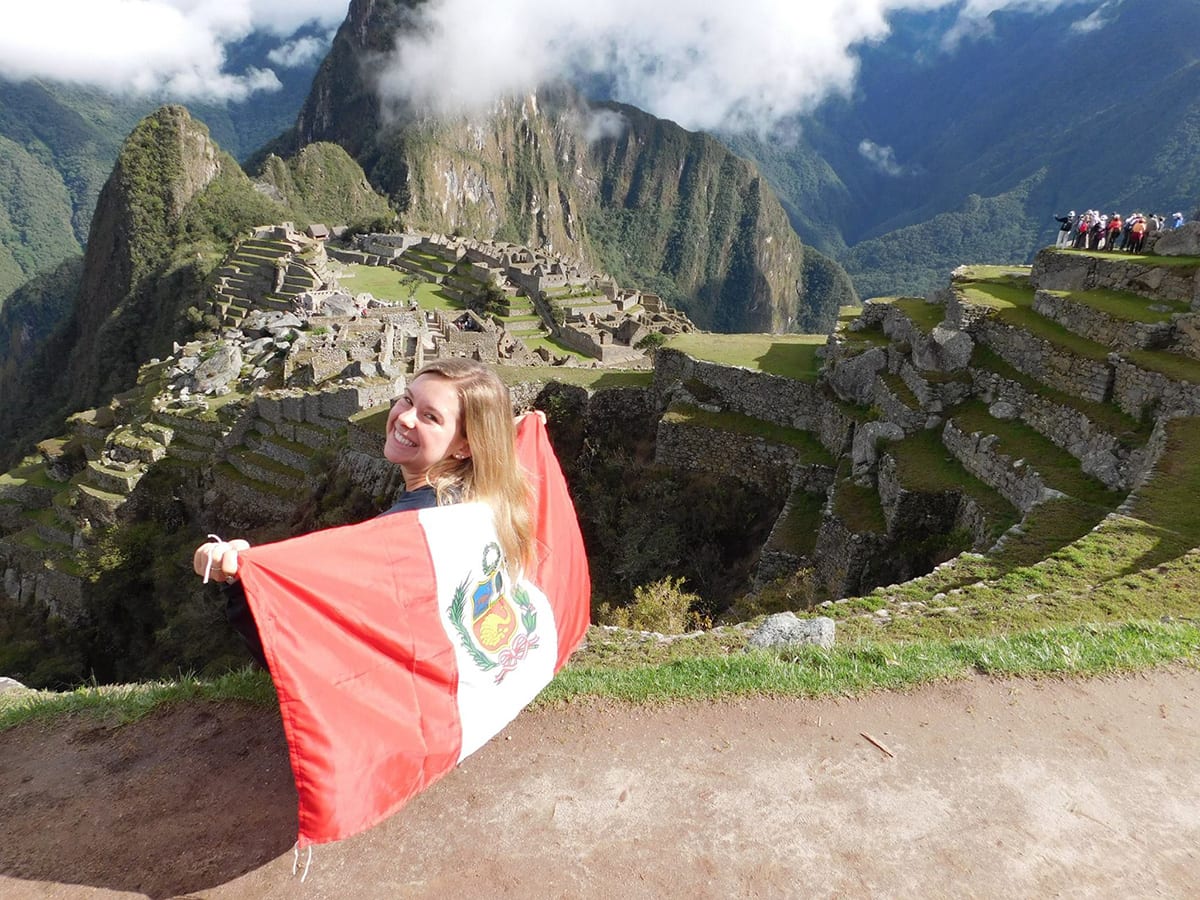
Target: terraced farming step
[
  {"x": 268, "y": 471},
  {"x": 111, "y": 480}
]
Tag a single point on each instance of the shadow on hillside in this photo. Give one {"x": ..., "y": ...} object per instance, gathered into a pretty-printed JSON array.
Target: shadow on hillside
[{"x": 187, "y": 799}]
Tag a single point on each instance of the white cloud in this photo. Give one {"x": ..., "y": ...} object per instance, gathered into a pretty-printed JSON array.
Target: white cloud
[
  {"x": 1098, "y": 19},
  {"x": 175, "y": 48},
  {"x": 706, "y": 64},
  {"x": 604, "y": 123},
  {"x": 299, "y": 52},
  {"x": 882, "y": 158}
]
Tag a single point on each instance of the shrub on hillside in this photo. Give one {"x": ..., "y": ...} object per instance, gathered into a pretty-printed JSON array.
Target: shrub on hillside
[{"x": 662, "y": 606}]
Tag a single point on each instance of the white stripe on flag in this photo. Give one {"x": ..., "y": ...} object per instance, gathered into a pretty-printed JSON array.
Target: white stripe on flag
[{"x": 503, "y": 663}]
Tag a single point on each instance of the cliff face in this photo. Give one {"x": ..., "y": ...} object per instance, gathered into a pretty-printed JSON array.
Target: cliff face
[{"x": 659, "y": 207}]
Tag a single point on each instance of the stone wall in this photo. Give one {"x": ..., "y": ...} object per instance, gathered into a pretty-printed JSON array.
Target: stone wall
[
  {"x": 753, "y": 460},
  {"x": 1061, "y": 271},
  {"x": 1139, "y": 392},
  {"x": 1015, "y": 481},
  {"x": 894, "y": 409},
  {"x": 1100, "y": 453},
  {"x": 772, "y": 398},
  {"x": 1118, "y": 334},
  {"x": 919, "y": 514},
  {"x": 934, "y": 396},
  {"x": 968, "y": 317},
  {"x": 1089, "y": 379},
  {"x": 846, "y": 563}
]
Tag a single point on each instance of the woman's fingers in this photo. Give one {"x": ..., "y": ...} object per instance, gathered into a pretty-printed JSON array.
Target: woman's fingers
[
  {"x": 229, "y": 559},
  {"x": 218, "y": 560}
]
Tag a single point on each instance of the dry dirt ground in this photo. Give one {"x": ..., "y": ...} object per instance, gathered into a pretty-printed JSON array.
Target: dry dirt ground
[{"x": 982, "y": 788}]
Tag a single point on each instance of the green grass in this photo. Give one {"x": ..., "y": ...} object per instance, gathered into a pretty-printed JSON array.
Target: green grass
[
  {"x": 811, "y": 450},
  {"x": 386, "y": 283},
  {"x": 869, "y": 665},
  {"x": 1014, "y": 306},
  {"x": 858, "y": 507},
  {"x": 1124, "y": 305},
  {"x": 1145, "y": 259},
  {"x": 1172, "y": 365},
  {"x": 900, "y": 390},
  {"x": 1000, "y": 274},
  {"x": 920, "y": 312},
  {"x": 555, "y": 347},
  {"x": 798, "y": 532},
  {"x": 788, "y": 355},
  {"x": 123, "y": 704}
]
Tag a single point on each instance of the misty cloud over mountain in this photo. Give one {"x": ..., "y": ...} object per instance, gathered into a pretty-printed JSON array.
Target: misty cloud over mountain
[{"x": 705, "y": 64}]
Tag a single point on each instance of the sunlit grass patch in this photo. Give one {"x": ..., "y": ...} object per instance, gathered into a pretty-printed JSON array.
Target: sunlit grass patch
[
  {"x": 788, "y": 355},
  {"x": 124, "y": 703}
]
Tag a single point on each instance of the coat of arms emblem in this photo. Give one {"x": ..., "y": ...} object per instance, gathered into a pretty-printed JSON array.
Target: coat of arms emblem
[{"x": 502, "y": 620}]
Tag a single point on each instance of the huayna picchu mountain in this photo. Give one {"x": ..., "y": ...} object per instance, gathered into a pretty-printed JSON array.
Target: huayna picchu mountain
[{"x": 652, "y": 204}]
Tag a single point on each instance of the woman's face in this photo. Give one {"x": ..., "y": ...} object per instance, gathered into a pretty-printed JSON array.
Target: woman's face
[{"x": 424, "y": 427}]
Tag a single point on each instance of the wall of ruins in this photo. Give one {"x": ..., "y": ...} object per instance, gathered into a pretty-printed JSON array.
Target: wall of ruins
[
  {"x": 1081, "y": 272},
  {"x": 1116, "y": 334},
  {"x": 1090, "y": 379},
  {"x": 1016, "y": 482},
  {"x": 772, "y": 398},
  {"x": 1100, "y": 453},
  {"x": 773, "y": 468},
  {"x": 1140, "y": 392},
  {"x": 917, "y": 515}
]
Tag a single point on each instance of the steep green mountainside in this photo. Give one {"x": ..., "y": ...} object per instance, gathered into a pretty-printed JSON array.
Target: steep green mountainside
[
  {"x": 322, "y": 184},
  {"x": 165, "y": 217},
  {"x": 1037, "y": 119},
  {"x": 658, "y": 206},
  {"x": 58, "y": 143}
]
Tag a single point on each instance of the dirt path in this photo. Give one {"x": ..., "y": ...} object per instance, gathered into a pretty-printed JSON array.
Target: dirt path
[{"x": 995, "y": 789}]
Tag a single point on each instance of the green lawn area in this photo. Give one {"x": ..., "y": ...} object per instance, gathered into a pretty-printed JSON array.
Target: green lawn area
[
  {"x": 788, "y": 355},
  {"x": 385, "y": 283},
  {"x": 798, "y": 531},
  {"x": 555, "y": 347},
  {"x": 1171, "y": 365},
  {"x": 901, "y": 390},
  {"x": 1014, "y": 304},
  {"x": 920, "y": 312},
  {"x": 997, "y": 273},
  {"x": 1145, "y": 259},
  {"x": 858, "y": 507}
]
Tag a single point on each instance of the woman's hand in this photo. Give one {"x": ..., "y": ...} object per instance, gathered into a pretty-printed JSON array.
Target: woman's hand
[{"x": 218, "y": 560}]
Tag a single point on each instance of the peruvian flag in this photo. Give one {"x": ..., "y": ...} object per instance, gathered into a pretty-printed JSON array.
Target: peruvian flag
[{"x": 401, "y": 645}]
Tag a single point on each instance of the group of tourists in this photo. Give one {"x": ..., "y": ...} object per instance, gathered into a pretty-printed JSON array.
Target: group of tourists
[{"x": 1093, "y": 230}]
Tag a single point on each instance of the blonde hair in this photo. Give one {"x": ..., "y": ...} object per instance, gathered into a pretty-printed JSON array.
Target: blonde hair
[{"x": 491, "y": 473}]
